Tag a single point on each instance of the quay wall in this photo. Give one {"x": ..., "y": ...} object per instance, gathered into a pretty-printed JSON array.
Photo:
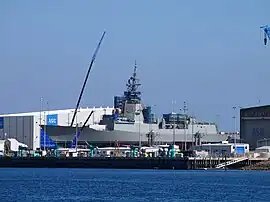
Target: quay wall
[{"x": 118, "y": 163}]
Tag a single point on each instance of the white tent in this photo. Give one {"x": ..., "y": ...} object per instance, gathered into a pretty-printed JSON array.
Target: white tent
[{"x": 14, "y": 144}]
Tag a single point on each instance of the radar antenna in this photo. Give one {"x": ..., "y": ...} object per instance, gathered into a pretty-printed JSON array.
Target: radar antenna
[{"x": 132, "y": 94}]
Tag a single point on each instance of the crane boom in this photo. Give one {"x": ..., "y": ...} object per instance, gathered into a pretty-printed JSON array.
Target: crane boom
[
  {"x": 86, "y": 78},
  {"x": 76, "y": 137}
]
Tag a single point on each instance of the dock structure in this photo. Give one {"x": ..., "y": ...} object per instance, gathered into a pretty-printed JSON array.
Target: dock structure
[
  {"x": 231, "y": 162},
  {"x": 128, "y": 162},
  {"x": 223, "y": 163}
]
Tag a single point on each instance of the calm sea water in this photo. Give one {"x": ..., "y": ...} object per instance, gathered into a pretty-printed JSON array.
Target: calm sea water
[{"x": 132, "y": 185}]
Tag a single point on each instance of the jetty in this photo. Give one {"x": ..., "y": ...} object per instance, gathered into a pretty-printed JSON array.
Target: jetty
[{"x": 186, "y": 163}]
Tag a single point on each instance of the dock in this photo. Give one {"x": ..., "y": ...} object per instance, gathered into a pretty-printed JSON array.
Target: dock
[
  {"x": 223, "y": 163},
  {"x": 95, "y": 162},
  {"x": 128, "y": 163}
]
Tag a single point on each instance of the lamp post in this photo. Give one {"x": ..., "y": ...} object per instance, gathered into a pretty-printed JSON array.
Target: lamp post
[
  {"x": 44, "y": 133},
  {"x": 76, "y": 135},
  {"x": 68, "y": 118},
  {"x": 234, "y": 118},
  {"x": 192, "y": 131},
  {"x": 41, "y": 122},
  {"x": 173, "y": 103},
  {"x": 138, "y": 113},
  {"x": 152, "y": 119},
  {"x": 76, "y": 126},
  {"x": 76, "y": 146},
  {"x": 185, "y": 134},
  {"x": 217, "y": 121},
  {"x": 40, "y": 114}
]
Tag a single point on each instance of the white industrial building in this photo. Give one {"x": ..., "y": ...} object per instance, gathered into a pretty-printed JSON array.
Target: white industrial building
[
  {"x": 10, "y": 145},
  {"x": 25, "y": 127},
  {"x": 224, "y": 148}
]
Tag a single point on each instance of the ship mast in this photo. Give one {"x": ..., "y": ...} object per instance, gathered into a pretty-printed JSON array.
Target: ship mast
[{"x": 132, "y": 95}]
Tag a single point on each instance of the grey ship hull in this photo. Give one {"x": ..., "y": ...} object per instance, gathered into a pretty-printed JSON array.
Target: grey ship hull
[{"x": 130, "y": 134}]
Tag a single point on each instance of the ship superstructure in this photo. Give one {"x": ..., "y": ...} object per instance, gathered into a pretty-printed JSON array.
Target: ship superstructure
[{"x": 133, "y": 123}]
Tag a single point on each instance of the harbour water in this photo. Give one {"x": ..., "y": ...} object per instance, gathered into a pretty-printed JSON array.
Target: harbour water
[{"x": 40, "y": 184}]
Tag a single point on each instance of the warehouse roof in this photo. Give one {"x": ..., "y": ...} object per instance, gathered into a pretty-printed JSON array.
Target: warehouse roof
[
  {"x": 54, "y": 111},
  {"x": 256, "y": 107},
  {"x": 257, "y": 111}
]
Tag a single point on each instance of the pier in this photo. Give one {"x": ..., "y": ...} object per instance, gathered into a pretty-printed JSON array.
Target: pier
[
  {"x": 223, "y": 163},
  {"x": 128, "y": 163}
]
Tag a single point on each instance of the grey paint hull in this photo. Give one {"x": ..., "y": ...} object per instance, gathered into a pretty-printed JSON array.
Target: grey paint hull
[{"x": 66, "y": 133}]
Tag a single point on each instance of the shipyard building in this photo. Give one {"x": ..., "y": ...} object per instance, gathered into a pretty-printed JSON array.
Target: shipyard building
[
  {"x": 25, "y": 127},
  {"x": 255, "y": 126}
]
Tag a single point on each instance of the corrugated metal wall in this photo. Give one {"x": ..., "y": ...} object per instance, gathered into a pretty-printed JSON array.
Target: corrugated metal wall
[
  {"x": 255, "y": 124},
  {"x": 254, "y": 130},
  {"x": 26, "y": 128},
  {"x": 18, "y": 127}
]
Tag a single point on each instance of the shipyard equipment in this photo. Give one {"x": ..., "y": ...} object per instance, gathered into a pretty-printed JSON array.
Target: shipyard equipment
[
  {"x": 266, "y": 31},
  {"x": 171, "y": 151},
  {"x": 75, "y": 140},
  {"x": 86, "y": 78},
  {"x": 133, "y": 151},
  {"x": 77, "y": 135}
]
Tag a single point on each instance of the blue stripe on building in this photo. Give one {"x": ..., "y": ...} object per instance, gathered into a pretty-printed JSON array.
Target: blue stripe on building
[
  {"x": 1, "y": 122},
  {"x": 48, "y": 143},
  {"x": 45, "y": 140}
]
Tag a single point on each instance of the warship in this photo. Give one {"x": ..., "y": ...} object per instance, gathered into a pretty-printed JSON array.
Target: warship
[{"x": 131, "y": 122}]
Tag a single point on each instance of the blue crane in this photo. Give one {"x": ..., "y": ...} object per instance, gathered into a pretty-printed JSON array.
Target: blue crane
[
  {"x": 266, "y": 31},
  {"x": 86, "y": 78},
  {"x": 78, "y": 133}
]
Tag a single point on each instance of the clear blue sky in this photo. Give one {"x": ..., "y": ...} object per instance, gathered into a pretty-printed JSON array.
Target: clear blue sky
[{"x": 209, "y": 53}]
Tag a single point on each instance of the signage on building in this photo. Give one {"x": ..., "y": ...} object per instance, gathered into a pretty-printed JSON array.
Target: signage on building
[
  {"x": 257, "y": 113},
  {"x": 52, "y": 119},
  {"x": 258, "y": 132},
  {"x": 1, "y": 122}
]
